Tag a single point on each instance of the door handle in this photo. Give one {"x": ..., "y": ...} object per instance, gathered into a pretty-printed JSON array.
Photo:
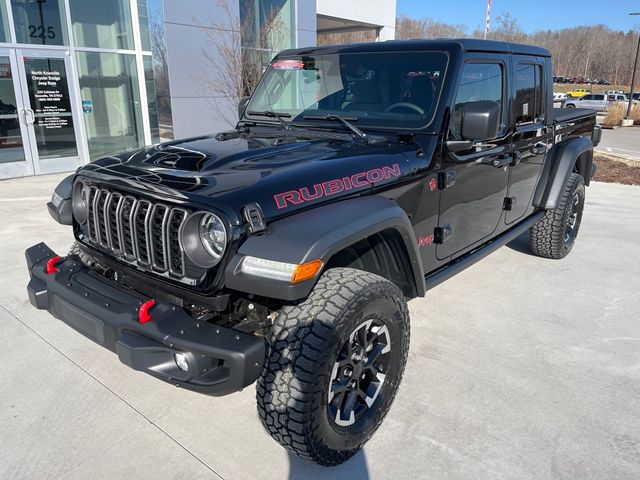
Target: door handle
[
  {"x": 29, "y": 116},
  {"x": 502, "y": 161},
  {"x": 538, "y": 149}
]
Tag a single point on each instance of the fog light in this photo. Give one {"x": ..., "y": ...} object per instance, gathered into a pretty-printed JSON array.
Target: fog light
[{"x": 182, "y": 362}]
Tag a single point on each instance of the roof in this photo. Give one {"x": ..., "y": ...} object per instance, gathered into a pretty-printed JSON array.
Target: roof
[{"x": 465, "y": 44}]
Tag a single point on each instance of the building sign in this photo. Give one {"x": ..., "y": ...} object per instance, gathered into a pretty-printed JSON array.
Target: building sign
[{"x": 50, "y": 105}]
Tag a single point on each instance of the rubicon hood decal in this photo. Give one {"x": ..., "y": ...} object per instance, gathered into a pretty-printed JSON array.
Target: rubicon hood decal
[{"x": 338, "y": 185}]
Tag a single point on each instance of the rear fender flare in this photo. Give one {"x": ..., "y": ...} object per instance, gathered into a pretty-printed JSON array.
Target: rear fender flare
[
  {"x": 319, "y": 234},
  {"x": 563, "y": 158}
]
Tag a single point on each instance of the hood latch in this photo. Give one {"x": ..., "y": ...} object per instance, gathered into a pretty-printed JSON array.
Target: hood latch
[{"x": 254, "y": 217}]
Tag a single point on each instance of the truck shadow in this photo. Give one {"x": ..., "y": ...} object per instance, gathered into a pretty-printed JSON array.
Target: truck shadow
[
  {"x": 521, "y": 243},
  {"x": 353, "y": 469}
]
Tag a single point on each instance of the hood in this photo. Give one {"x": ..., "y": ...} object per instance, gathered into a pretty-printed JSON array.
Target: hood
[{"x": 281, "y": 174}]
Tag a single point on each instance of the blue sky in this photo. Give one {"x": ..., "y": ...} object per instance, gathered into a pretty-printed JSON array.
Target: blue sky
[{"x": 532, "y": 15}]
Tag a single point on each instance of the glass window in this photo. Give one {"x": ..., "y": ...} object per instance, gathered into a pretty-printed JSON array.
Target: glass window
[
  {"x": 10, "y": 139},
  {"x": 480, "y": 82},
  {"x": 156, "y": 71},
  {"x": 40, "y": 22},
  {"x": 111, "y": 102},
  {"x": 159, "y": 101},
  {"x": 599, "y": 97},
  {"x": 588, "y": 97},
  {"x": 102, "y": 23},
  {"x": 267, "y": 24},
  {"x": 4, "y": 26},
  {"x": 528, "y": 93},
  {"x": 392, "y": 89}
]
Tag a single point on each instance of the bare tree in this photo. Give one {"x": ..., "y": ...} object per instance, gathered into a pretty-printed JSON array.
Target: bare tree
[
  {"x": 409, "y": 28},
  {"x": 239, "y": 49}
]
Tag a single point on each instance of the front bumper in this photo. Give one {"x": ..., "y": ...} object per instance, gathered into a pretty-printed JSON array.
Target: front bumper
[{"x": 220, "y": 360}]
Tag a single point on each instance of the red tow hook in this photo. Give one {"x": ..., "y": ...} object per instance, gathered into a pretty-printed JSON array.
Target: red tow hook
[
  {"x": 143, "y": 313},
  {"x": 51, "y": 265}
]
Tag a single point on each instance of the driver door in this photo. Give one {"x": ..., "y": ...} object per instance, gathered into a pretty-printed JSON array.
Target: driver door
[{"x": 474, "y": 182}]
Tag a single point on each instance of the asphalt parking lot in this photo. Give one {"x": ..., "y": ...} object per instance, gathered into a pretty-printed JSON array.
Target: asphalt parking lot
[
  {"x": 621, "y": 142},
  {"x": 520, "y": 368}
]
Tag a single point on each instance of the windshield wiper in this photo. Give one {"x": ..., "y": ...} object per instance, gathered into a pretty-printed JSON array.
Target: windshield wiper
[
  {"x": 277, "y": 115},
  {"x": 345, "y": 121}
]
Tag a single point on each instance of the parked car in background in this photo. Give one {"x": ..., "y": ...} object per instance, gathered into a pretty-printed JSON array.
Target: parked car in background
[
  {"x": 578, "y": 92},
  {"x": 596, "y": 101},
  {"x": 559, "y": 96},
  {"x": 614, "y": 92},
  {"x": 617, "y": 97}
]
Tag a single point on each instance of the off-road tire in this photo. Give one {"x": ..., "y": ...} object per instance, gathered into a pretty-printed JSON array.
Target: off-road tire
[
  {"x": 548, "y": 235},
  {"x": 303, "y": 346}
]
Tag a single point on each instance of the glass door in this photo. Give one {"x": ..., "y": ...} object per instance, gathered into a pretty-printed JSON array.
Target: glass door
[
  {"x": 15, "y": 154},
  {"x": 50, "y": 111}
]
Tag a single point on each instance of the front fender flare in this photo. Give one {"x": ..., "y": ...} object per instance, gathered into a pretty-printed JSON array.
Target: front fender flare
[{"x": 319, "y": 234}]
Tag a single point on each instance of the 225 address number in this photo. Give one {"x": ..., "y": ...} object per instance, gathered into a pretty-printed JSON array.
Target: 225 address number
[{"x": 39, "y": 31}]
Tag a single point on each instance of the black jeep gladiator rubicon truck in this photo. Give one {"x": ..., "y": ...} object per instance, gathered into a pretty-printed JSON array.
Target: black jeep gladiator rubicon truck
[{"x": 284, "y": 251}]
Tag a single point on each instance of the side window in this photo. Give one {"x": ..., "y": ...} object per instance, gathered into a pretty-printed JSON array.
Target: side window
[
  {"x": 598, "y": 97},
  {"x": 588, "y": 97},
  {"x": 480, "y": 82},
  {"x": 528, "y": 93}
]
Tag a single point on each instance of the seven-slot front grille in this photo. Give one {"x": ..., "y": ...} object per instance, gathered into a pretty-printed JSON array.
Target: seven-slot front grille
[{"x": 137, "y": 230}]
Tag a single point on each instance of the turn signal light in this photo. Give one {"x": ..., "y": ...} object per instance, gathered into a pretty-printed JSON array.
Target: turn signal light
[{"x": 306, "y": 271}]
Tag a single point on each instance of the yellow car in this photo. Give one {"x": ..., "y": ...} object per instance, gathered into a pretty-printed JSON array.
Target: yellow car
[{"x": 578, "y": 92}]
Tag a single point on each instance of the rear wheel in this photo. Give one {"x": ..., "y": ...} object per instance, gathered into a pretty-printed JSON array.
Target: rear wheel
[
  {"x": 555, "y": 235},
  {"x": 335, "y": 363}
]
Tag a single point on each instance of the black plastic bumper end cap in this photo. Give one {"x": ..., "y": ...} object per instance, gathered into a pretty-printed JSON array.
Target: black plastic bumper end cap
[
  {"x": 37, "y": 253},
  {"x": 63, "y": 213},
  {"x": 38, "y": 295}
]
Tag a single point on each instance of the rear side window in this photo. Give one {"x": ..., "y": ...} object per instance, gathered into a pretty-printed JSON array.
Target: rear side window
[
  {"x": 480, "y": 82},
  {"x": 598, "y": 97},
  {"x": 528, "y": 93}
]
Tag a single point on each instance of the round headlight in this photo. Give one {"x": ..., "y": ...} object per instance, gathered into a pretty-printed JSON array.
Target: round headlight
[
  {"x": 213, "y": 235},
  {"x": 203, "y": 237},
  {"x": 80, "y": 202}
]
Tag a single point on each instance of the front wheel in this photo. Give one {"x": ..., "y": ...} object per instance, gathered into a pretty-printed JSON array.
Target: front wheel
[
  {"x": 335, "y": 363},
  {"x": 554, "y": 235}
]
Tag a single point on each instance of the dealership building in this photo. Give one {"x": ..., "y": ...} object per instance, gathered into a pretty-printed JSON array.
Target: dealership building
[{"x": 80, "y": 79}]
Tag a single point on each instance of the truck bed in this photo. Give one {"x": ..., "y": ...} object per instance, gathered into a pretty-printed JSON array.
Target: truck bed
[{"x": 562, "y": 115}]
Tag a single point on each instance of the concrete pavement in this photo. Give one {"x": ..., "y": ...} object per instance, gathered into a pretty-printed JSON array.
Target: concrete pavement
[{"x": 520, "y": 368}]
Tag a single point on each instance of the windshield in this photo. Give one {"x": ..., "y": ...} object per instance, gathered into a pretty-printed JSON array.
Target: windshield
[{"x": 391, "y": 89}]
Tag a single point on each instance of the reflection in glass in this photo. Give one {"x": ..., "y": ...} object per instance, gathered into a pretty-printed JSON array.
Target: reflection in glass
[
  {"x": 156, "y": 70},
  {"x": 51, "y": 105},
  {"x": 159, "y": 101},
  {"x": 111, "y": 102},
  {"x": 40, "y": 22},
  {"x": 10, "y": 139},
  {"x": 4, "y": 26},
  {"x": 102, "y": 23}
]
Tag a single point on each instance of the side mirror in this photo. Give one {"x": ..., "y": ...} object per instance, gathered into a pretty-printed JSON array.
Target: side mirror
[
  {"x": 242, "y": 105},
  {"x": 480, "y": 120}
]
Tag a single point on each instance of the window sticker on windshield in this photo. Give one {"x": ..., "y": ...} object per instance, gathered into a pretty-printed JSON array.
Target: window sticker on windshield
[
  {"x": 525, "y": 109},
  {"x": 288, "y": 65}
]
